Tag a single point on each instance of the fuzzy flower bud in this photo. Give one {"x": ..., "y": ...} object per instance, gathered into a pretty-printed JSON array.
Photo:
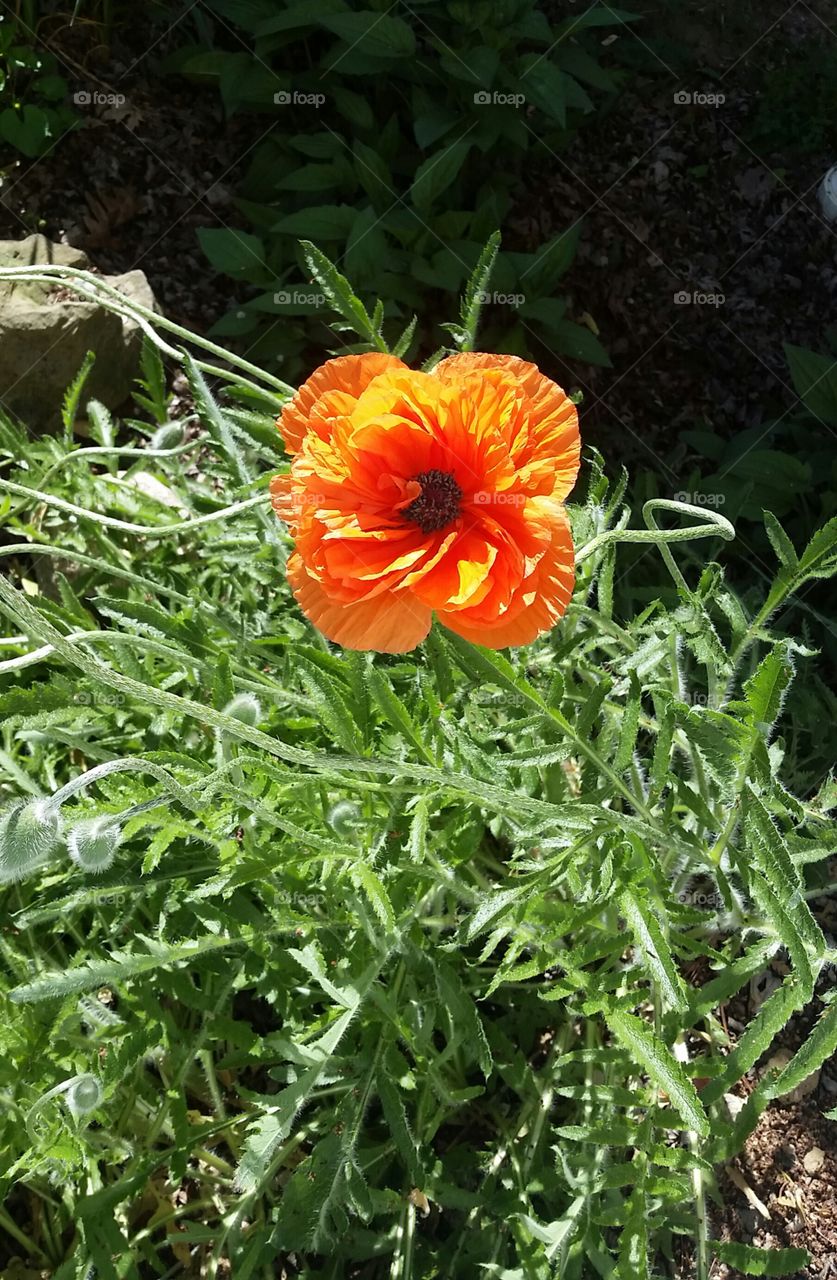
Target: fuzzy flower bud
[
  {"x": 244, "y": 707},
  {"x": 29, "y": 833},
  {"x": 344, "y": 818},
  {"x": 169, "y": 436},
  {"x": 92, "y": 843},
  {"x": 84, "y": 1095}
]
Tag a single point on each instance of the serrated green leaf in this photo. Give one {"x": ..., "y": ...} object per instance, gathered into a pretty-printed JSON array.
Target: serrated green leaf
[
  {"x": 760, "y": 1262},
  {"x": 654, "y": 949},
  {"x": 661, "y": 1065}
]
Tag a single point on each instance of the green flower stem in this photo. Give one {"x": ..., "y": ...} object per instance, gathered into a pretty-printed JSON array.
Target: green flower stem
[
  {"x": 98, "y": 290},
  {"x": 161, "y": 1220},
  {"x": 146, "y": 531},
  {"x": 243, "y": 1210},
  {"x": 402, "y": 1258},
  {"x": 116, "y": 451},
  {"x": 751, "y": 634},
  {"x": 91, "y": 562},
  {"x": 263, "y": 686},
  {"x": 681, "y": 1053},
  {"x": 713, "y": 525},
  {"x": 126, "y": 575},
  {"x": 682, "y": 738},
  {"x": 129, "y": 764},
  {"x": 92, "y": 637},
  {"x": 498, "y": 798},
  {"x": 532, "y": 1111}
]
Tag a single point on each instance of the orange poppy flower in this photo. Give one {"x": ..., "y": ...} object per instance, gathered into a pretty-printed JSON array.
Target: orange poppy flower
[{"x": 413, "y": 494}]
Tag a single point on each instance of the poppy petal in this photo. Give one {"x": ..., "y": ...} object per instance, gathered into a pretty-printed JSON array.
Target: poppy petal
[
  {"x": 554, "y": 434},
  {"x": 393, "y": 622},
  {"x": 542, "y": 599},
  {"x": 336, "y": 386}
]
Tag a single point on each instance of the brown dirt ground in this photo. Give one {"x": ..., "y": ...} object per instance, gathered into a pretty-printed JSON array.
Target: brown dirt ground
[
  {"x": 802, "y": 1205},
  {"x": 679, "y": 197}
]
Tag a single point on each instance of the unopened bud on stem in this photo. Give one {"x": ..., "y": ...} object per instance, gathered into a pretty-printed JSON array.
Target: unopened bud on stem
[
  {"x": 169, "y": 436},
  {"x": 29, "y": 834},
  {"x": 344, "y": 818},
  {"x": 92, "y": 843},
  {"x": 84, "y": 1095},
  {"x": 244, "y": 707}
]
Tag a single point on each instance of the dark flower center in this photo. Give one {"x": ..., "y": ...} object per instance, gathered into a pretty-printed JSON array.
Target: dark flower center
[{"x": 438, "y": 503}]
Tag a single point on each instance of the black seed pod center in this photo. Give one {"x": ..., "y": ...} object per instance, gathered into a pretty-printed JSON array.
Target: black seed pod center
[{"x": 438, "y": 503}]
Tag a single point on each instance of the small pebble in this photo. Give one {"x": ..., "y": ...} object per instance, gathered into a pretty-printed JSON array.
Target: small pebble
[
  {"x": 785, "y": 1157},
  {"x": 813, "y": 1160}
]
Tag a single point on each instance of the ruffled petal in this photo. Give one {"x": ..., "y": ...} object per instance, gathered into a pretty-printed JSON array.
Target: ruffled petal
[
  {"x": 540, "y": 600},
  {"x": 551, "y": 454},
  {"x": 330, "y": 392},
  {"x": 390, "y": 623}
]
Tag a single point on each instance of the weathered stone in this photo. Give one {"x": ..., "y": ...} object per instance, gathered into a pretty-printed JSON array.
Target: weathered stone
[{"x": 46, "y": 330}]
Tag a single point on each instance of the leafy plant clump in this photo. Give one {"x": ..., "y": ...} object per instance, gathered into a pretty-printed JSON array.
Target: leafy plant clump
[
  {"x": 397, "y": 140},
  {"x": 35, "y": 108},
  {"x": 340, "y": 964}
]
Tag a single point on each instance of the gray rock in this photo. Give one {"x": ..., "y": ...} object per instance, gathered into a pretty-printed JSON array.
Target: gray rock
[{"x": 46, "y": 330}]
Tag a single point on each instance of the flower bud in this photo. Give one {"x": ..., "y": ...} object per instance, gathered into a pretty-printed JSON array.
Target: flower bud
[
  {"x": 244, "y": 707},
  {"x": 84, "y": 1095},
  {"x": 92, "y": 844},
  {"x": 169, "y": 436},
  {"x": 344, "y": 818},
  {"x": 29, "y": 833}
]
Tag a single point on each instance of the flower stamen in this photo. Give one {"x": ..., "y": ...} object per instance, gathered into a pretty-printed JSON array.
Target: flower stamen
[{"x": 438, "y": 504}]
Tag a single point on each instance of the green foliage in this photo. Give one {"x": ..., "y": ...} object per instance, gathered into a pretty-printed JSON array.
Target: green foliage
[
  {"x": 388, "y": 964},
  {"x": 398, "y": 142},
  {"x": 35, "y": 106},
  {"x": 777, "y": 482},
  {"x": 797, "y": 102}
]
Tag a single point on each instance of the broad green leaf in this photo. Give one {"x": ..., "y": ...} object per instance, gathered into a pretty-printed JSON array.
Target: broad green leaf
[
  {"x": 395, "y": 711},
  {"x": 331, "y": 705},
  {"x": 759, "y": 1035},
  {"x": 544, "y": 85},
  {"x": 765, "y": 690},
  {"x": 815, "y": 381},
  {"x": 821, "y": 1044},
  {"x": 239, "y": 254},
  {"x": 474, "y": 296},
  {"x": 395, "y": 1114},
  {"x": 633, "y": 1243},
  {"x": 378, "y": 35},
  {"x": 337, "y": 289},
  {"x": 367, "y": 880},
  {"x": 435, "y": 174},
  {"x": 760, "y": 1262},
  {"x": 779, "y": 540},
  {"x": 73, "y": 394},
  {"x": 118, "y": 968}
]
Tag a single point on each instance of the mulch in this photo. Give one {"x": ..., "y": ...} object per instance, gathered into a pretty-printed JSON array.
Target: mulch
[
  {"x": 676, "y": 198},
  {"x": 789, "y": 1162},
  {"x": 151, "y": 161}
]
